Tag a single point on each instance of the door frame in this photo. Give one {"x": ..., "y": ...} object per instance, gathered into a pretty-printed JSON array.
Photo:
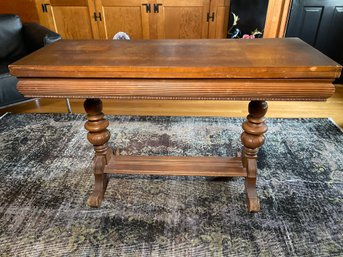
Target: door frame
[{"x": 277, "y": 18}]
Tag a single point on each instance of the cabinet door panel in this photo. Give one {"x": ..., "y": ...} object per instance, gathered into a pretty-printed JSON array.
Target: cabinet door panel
[
  {"x": 337, "y": 33},
  {"x": 73, "y": 19},
  {"x": 219, "y": 26},
  {"x": 310, "y": 23},
  {"x": 181, "y": 19},
  {"x": 330, "y": 35},
  {"x": 127, "y": 16},
  {"x": 45, "y": 17}
]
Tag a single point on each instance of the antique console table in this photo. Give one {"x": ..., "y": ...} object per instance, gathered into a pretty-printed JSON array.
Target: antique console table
[{"x": 254, "y": 70}]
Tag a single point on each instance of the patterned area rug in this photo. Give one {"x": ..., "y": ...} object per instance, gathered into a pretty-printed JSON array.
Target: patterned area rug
[{"x": 46, "y": 177}]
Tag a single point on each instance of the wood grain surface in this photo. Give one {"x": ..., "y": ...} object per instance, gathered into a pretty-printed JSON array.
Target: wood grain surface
[
  {"x": 177, "y": 166},
  {"x": 260, "y": 58}
]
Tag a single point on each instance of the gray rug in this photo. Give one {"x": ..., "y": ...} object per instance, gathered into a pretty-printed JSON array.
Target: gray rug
[{"x": 46, "y": 177}]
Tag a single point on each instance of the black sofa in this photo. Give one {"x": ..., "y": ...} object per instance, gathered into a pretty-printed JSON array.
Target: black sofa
[{"x": 17, "y": 40}]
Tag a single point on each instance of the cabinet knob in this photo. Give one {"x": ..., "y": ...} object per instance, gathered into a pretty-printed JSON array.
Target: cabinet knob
[
  {"x": 210, "y": 17},
  {"x": 44, "y": 7},
  {"x": 147, "y": 8},
  {"x": 96, "y": 17},
  {"x": 157, "y": 8}
]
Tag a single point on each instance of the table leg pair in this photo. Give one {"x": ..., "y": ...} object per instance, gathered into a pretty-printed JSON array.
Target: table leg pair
[{"x": 106, "y": 161}]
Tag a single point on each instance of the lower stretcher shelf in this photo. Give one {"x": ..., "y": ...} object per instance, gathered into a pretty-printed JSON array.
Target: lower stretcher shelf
[{"x": 176, "y": 165}]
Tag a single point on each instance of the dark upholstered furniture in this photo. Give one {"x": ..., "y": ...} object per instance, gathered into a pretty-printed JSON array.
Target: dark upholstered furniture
[{"x": 17, "y": 40}]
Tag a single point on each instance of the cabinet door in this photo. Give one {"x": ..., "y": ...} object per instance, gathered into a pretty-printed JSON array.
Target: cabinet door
[
  {"x": 219, "y": 21},
  {"x": 182, "y": 19},
  {"x": 129, "y": 16},
  {"x": 45, "y": 14},
  {"x": 74, "y": 19}
]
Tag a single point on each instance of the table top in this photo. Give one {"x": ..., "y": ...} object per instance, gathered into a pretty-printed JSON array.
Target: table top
[{"x": 259, "y": 58}]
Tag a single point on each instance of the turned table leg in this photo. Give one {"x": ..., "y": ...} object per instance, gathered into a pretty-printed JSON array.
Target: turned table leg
[
  {"x": 253, "y": 138},
  {"x": 98, "y": 136}
]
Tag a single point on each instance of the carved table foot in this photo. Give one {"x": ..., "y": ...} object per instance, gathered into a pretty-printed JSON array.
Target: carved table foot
[
  {"x": 101, "y": 181},
  {"x": 98, "y": 136},
  {"x": 252, "y": 200},
  {"x": 253, "y": 138}
]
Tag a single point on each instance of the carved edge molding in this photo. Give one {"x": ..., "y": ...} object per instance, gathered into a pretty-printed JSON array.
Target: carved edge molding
[
  {"x": 277, "y": 18},
  {"x": 181, "y": 98}
]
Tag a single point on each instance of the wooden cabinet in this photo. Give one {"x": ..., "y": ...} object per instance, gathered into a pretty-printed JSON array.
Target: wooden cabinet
[
  {"x": 141, "y": 19},
  {"x": 155, "y": 19},
  {"x": 164, "y": 19}
]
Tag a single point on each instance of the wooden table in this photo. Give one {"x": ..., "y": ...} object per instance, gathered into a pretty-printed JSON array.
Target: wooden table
[{"x": 254, "y": 70}]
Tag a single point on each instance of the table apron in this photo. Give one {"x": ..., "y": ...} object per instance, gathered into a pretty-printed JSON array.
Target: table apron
[{"x": 192, "y": 89}]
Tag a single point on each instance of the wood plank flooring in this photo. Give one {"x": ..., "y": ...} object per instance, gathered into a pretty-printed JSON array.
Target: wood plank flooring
[{"x": 333, "y": 108}]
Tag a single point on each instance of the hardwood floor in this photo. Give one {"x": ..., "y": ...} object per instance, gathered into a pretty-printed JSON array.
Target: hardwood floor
[{"x": 333, "y": 108}]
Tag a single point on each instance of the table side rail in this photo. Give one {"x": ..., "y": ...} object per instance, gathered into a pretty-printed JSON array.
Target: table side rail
[{"x": 193, "y": 89}]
